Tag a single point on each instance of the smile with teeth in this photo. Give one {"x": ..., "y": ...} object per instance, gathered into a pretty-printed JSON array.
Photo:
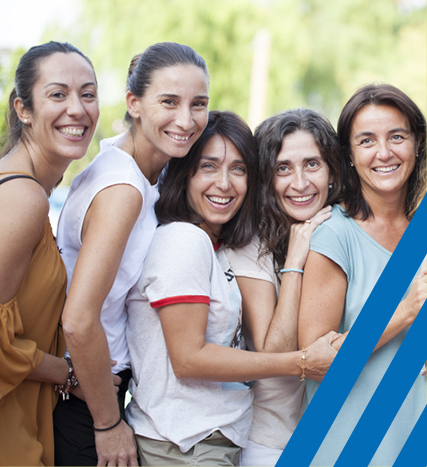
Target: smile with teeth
[
  {"x": 178, "y": 137},
  {"x": 301, "y": 199},
  {"x": 390, "y": 168},
  {"x": 72, "y": 131},
  {"x": 215, "y": 199}
]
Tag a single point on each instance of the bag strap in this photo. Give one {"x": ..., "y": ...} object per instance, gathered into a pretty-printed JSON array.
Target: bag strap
[{"x": 18, "y": 176}]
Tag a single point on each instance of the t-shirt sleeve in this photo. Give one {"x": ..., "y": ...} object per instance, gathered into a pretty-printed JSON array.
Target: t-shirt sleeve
[
  {"x": 18, "y": 357},
  {"x": 246, "y": 263},
  {"x": 329, "y": 241},
  {"x": 178, "y": 268}
]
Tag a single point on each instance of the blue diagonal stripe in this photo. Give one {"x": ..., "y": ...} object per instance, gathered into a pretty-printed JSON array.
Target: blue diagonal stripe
[
  {"x": 384, "y": 404},
  {"x": 359, "y": 344},
  {"x": 414, "y": 452}
]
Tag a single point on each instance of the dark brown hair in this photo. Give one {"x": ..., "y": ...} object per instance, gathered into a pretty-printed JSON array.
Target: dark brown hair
[
  {"x": 26, "y": 76},
  {"x": 381, "y": 95},
  {"x": 273, "y": 222},
  {"x": 173, "y": 205},
  {"x": 155, "y": 57}
]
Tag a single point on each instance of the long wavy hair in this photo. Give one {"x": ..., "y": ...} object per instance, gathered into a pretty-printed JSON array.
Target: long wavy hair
[
  {"x": 273, "y": 222},
  {"x": 173, "y": 205},
  {"x": 381, "y": 95}
]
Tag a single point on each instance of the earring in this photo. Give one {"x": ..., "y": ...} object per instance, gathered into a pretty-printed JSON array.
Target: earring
[
  {"x": 416, "y": 155},
  {"x": 330, "y": 186},
  {"x": 26, "y": 121},
  {"x": 351, "y": 164}
]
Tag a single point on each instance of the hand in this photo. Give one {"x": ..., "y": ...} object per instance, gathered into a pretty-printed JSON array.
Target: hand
[
  {"x": 300, "y": 236},
  {"x": 116, "y": 379},
  {"x": 117, "y": 446},
  {"x": 319, "y": 356},
  {"x": 416, "y": 297}
]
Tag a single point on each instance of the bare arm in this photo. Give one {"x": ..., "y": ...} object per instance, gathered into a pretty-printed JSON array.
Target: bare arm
[
  {"x": 323, "y": 297},
  {"x": 323, "y": 300},
  {"x": 107, "y": 227},
  {"x": 184, "y": 328},
  {"x": 273, "y": 323},
  {"x": 24, "y": 207}
]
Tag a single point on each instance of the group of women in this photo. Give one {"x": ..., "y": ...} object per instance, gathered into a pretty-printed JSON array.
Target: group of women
[{"x": 165, "y": 294}]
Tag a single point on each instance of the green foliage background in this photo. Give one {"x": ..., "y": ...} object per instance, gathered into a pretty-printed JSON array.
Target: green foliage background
[{"x": 321, "y": 51}]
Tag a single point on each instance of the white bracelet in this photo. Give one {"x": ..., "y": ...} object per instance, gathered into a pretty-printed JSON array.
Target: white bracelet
[{"x": 291, "y": 270}]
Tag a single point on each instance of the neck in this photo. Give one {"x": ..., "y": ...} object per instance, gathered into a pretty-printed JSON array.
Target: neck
[
  {"x": 29, "y": 158},
  {"x": 391, "y": 206},
  {"x": 149, "y": 160}
]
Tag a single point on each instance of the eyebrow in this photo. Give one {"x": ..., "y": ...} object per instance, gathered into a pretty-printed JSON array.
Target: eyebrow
[
  {"x": 176, "y": 96},
  {"x": 217, "y": 159},
  {"x": 90, "y": 83},
  {"x": 306, "y": 159},
  {"x": 370, "y": 133}
]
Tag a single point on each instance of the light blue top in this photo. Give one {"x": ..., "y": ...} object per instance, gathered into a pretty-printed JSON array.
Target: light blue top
[{"x": 362, "y": 259}]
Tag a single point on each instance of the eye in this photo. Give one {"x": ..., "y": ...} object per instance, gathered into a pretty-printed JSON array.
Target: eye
[
  {"x": 207, "y": 166},
  {"x": 58, "y": 95},
  {"x": 282, "y": 170},
  {"x": 313, "y": 164},
  {"x": 89, "y": 95},
  {"x": 240, "y": 169},
  {"x": 366, "y": 142},
  {"x": 398, "y": 138},
  {"x": 200, "y": 104},
  {"x": 168, "y": 102}
]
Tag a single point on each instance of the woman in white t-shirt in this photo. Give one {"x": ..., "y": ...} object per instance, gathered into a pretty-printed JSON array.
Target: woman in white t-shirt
[
  {"x": 104, "y": 233},
  {"x": 299, "y": 175},
  {"x": 191, "y": 399}
]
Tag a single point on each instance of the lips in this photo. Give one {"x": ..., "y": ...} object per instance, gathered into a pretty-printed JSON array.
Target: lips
[
  {"x": 218, "y": 200},
  {"x": 301, "y": 199},
  {"x": 72, "y": 131},
  {"x": 178, "y": 137},
  {"x": 387, "y": 169}
]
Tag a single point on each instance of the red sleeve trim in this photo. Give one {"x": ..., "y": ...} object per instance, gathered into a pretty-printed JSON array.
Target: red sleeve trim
[{"x": 181, "y": 299}]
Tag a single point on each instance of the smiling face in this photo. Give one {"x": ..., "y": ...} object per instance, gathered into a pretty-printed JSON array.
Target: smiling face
[
  {"x": 65, "y": 107},
  {"x": 173, "y": 112},
  {"x": 383, "y": 151},
  {"x": 302, "y": 176},
  {"x": 218, "y": 188}
]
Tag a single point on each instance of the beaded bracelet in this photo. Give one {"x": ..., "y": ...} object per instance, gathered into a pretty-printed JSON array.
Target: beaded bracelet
[
  {"x": 303, "y": 357},
  {"x": 291, "y": 270},
  {"x": 72, "y": 382},
  {"x": 109, "y": 427}
]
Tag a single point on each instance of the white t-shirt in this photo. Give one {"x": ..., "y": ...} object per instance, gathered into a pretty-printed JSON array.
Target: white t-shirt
[
  {"x": 277, "y": 401},
  {"x": 182, "y": 267},
  {"x": 111, "y": 166}
]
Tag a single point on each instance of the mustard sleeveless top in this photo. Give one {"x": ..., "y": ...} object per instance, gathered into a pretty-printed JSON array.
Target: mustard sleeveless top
[{"x": 29, "y": 326}]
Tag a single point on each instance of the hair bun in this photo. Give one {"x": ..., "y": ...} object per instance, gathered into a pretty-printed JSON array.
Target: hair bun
[{"x": 133, "y": 64}]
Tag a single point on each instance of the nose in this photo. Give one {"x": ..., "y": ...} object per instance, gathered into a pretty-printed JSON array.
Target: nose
[
  {"x": 75, "y": 107},
  {"x": 223, "y": 180},
  {"x": 300, "y": 181},
  {"x": 383, "y": 150},
  {"x": 184, "y": 118}
]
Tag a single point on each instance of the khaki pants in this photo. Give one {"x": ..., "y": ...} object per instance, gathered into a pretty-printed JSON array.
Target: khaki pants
[{"x": 215, "y": 450}]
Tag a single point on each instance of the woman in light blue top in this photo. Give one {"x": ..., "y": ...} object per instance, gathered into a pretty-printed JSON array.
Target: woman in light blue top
[{"x": 383, "y": 140}]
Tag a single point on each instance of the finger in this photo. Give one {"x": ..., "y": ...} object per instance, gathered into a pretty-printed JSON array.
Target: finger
[
  {"x": 113, "y": 362},
  {"x": 331, "y": 336},
  {"x": 133, "y": 461}
]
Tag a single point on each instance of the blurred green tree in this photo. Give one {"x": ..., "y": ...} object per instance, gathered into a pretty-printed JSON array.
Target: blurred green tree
[{"x": 321, "y": 52}]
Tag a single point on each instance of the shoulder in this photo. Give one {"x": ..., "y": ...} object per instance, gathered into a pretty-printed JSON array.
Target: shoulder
[
  {"x": 24, "y": 199},
  {"x": 181, "y": 235},
  {"x": 111, "y": 166}
]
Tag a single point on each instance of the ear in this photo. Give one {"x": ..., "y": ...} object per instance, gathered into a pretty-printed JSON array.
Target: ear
[
  {"x": 133, "y": 104},
  {"x": 331, "y": 179},
  {"x": 20, "y": 110}
]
